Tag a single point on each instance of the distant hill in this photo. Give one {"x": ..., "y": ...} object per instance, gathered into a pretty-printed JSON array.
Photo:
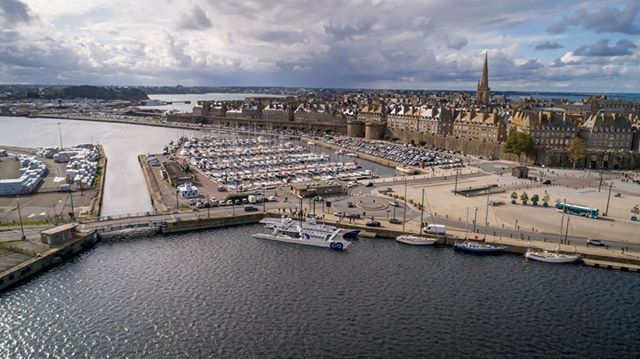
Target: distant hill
[
  {"x": 103, "y": 93},
  {"x": 72, "y": 92}
]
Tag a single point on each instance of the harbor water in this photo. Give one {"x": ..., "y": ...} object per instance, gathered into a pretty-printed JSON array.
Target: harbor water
[{"x": 224, "y": 294}]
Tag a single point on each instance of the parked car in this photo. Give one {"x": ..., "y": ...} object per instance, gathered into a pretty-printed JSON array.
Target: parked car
[
  {"x": 271, "y": 198},
  {"x": 229, "y": 203},
  {"x": 394, "y": 204},
  {"x": 369, "y": 184},
  {"x": 222, "y": 188},
  {"x": 546, "y": 182},
  {"x": 596, "y": 242},
  {"x": 395, "y": 221},
  {"x": 353, "y": 215},
  {"x": 250, "y": 209},
  {"x": 373, "y": 224},
  {"x": 340, "y": 214},
  {"x": 351, "y": 205}
]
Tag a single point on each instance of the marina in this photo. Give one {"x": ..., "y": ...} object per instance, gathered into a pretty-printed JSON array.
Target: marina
[{"x": 247, "y": 164}]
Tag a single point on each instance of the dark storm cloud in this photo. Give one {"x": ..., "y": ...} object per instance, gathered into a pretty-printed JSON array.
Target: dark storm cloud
[
  {"x": 13, "y": 12},
  {"x": 607, "y": 19},
  {"x": 196, "y": 20},
  {"x": 602, "y": 48},
  {"x": 549, "y": 46},
  {"x": 281, "y": 37}
]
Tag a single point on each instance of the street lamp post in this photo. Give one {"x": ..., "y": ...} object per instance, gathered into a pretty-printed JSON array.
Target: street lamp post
[
  {"x": 20, "y": 217},
  {"x": 606, "y": 212},
  {"x": 73, "y": 210},
  {"x": 300, "y": 212},
  {"x": 455, "y": 189},
  {"x": 177, "y": 204},
  {"x": 60, "y": 133},
  {"x": 475, "y": 216}
]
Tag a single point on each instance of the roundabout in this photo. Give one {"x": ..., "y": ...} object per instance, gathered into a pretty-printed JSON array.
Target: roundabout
[{"x": 372, "y": 204}]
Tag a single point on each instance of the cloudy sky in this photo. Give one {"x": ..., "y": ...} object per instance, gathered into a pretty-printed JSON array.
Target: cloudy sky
[{"x": 546, "y": 45}]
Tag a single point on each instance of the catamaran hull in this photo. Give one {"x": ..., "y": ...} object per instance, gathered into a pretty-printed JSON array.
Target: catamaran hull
[
  {"x": 335, "y": 245},
  {"x": 546, "y": 259}
]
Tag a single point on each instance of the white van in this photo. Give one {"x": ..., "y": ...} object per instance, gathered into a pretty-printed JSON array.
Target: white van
[{"x": 434, "y": 229}]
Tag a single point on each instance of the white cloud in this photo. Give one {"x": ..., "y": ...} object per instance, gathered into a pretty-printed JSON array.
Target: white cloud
[{"x": 416, "y": 44}]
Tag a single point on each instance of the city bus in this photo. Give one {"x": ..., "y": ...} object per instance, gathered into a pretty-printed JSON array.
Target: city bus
[{"x": 577, "y": 210}]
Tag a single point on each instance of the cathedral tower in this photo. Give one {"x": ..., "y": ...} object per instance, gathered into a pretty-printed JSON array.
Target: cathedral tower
[{"x": 483, "y": 95}]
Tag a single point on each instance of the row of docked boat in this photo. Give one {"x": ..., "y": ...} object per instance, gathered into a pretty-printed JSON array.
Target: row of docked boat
[
  {"x": 480, "y": 247},
  {"x": 309, "y": 232}
]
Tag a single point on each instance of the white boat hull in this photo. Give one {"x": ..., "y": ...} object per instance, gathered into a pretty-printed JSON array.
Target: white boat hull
[
  {"x": 550, "y": 257},
  {"x": 416, "y": 241},
  {"x": 333, "y": 244}
]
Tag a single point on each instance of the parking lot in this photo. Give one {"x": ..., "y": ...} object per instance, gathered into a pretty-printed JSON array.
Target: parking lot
[{"x": 405, "y": 154}]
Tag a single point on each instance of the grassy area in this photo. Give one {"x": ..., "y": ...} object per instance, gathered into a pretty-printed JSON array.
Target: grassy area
[{"x": 24, "y": 223}]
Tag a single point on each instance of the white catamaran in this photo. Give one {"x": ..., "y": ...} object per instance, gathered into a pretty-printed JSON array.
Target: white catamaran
[{"x": 290, "y": 231}]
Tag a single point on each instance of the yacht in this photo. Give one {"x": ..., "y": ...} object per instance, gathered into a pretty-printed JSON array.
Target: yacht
[
  {"x": 551, "y": 256},
  {"x": 416, "y": 240},
  {"x": 478, "y": 247}
]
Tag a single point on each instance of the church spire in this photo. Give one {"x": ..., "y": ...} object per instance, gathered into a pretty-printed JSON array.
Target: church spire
[{"x": 483, "y": 95}]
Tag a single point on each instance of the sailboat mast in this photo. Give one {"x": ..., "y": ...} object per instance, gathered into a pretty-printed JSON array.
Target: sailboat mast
[
  {"x": 566, "y": 233},
  {"x": 564, "y": 208},
  {"x": 422, "y": 212},
  {"x": 404, "y": 212},
  {"x": 486, "y": 216},
  {"x": 466, "y": 227}
]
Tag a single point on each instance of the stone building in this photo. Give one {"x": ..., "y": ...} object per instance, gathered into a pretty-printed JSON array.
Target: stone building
[
  {"x": 317, "y": 113},
  {"x": 374, "y": 117},
  {"x": 211, "y": 108},
  {"x": 482, "y": 126},
  {"x": 278, "y": 112},
  {"x": 421, "y": 119},
  {"x": 607, "y": 131},
  {"x": 549, "y": 129}
]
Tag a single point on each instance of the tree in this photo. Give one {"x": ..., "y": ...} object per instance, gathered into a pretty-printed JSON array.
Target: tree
[
  {"x": 535, "y": 198},
  {"x": 576, "y": 150},
  {"x": 518, "y": 143},
  {"x": 524, "y": 197},
  {"x": 546, "y": 198}
]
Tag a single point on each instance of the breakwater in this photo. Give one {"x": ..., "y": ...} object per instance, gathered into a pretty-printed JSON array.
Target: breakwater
[{"x": 54, "y": 256}]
